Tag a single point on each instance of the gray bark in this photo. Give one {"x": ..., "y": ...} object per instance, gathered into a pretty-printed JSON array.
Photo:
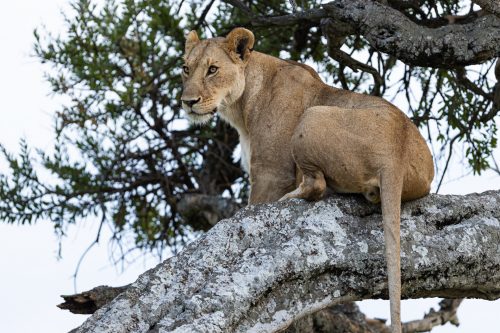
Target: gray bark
[
  {"x": 492, "y": 6},
  {"x": 89, "y": 301},
  {"x": 271, "y": 264},
  {"x": 389, "y": 30}
]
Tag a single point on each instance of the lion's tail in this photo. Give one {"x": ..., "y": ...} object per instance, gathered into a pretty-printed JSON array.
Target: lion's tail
[{"x": 391, "y": 185}]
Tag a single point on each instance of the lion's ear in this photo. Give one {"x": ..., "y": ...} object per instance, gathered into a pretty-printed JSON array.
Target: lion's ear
[
  {"x": 191, "y": 40},
  {"x": 240, "y": 41}
]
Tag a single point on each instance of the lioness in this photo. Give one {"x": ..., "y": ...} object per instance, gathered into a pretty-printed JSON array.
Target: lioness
[{"x": 295, "y": 129}]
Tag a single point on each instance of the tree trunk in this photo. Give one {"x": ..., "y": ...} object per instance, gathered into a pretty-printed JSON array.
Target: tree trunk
[{"x": 271, "y": 264}]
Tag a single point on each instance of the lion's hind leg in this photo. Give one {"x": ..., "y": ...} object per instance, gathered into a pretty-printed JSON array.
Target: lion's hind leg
[{"x": 312, "y": 187}]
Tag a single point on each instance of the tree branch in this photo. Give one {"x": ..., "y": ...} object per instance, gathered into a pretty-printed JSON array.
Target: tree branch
[
  {"x": 90, "y": 301},
  {"x": 496, "y": 89},
  {"x": 203, "y": 15},
  {"x": 346, "y": 60},
  {"x": 390, "y": 31},
  {"x": 339, "y": 318},
  {"x": 446, "y": 314},
  {"x": 202, "y": 211},
  {"x": 312, "y": 15},
  {"x": 464, "y": 81},
  {"x": 492, "y": 6},
  {"x": 240, "y": 5},
  {"x": 336, "y": 319},
  {"x": 271, "y": 264}
]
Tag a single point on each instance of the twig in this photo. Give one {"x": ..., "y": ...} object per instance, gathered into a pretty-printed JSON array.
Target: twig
[
  {"x": 450, "y": 153},
  {"x": 240, "y": 5},
  {"x": 446, "y": 314},
  {"x": 313, "y": 15},
  {"x": 84, "y": 254},
  {"x": 356, "y": 65},
  {"x": 179, "y": 8},
  {"x": 203, "y": 15},
  {"x": 496, "y": 168},
  {"x": 465, "y": 82}
]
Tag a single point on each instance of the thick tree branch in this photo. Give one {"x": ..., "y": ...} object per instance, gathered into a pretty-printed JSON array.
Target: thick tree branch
[
  {"x": 492, "y": 6},
  {"x": 271, "y": 264},
  {"x": 389, "y": 30},
  {"x": 339, "y": 318}
]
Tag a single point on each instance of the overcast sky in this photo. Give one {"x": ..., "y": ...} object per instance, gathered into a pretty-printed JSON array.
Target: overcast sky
[{"x": 32, "y": 278}]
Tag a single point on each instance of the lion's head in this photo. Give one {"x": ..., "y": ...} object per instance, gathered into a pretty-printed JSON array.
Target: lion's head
[{"x": 213, "y": 74}]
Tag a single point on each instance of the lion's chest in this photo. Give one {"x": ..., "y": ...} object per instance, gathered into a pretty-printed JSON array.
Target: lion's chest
[{"x": 235, "y": 119}]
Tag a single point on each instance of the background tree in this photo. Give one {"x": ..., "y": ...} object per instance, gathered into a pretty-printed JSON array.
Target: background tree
[{"x": 125, "y": 156}]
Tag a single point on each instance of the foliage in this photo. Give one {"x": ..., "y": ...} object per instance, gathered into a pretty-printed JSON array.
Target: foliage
[{"x": 123, "y": 153}]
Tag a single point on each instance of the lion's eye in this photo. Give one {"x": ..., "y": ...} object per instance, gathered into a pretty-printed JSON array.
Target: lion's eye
[
  {"x": 185, "y": 69},
  {"x": 213, "y": 69}
]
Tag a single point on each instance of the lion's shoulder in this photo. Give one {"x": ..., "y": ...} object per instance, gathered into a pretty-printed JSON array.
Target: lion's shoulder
[{"x": 306, "y": 67}]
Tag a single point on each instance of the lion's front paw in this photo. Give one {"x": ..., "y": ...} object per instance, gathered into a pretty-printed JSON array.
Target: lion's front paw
[{"x": 296, "y": 194}]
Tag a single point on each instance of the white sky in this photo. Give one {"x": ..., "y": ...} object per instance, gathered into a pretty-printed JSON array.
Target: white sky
[{"x": 32, "y": 278}]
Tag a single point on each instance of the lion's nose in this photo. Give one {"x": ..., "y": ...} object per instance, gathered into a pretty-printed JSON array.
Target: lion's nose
[{"x": 191, "y": 102}]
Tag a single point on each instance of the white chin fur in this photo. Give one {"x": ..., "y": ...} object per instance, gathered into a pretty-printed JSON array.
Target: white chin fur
[{"x": 199, "y": 118}]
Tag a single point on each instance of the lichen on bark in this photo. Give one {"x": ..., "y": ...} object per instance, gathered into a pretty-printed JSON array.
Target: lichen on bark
[{"x": 271, "y": 264}]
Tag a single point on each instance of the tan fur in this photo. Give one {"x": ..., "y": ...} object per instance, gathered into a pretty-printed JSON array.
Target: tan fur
[{"x": 295, "y": 129}]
